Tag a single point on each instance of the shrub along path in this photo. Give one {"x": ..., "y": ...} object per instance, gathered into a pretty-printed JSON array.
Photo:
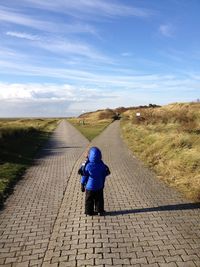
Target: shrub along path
[{"x": 146, "y": 224}]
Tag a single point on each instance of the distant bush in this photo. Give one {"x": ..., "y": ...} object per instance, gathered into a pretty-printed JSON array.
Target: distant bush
[
  {"x": 106, "y": 114},
  {"x": 120, "y": 110}
]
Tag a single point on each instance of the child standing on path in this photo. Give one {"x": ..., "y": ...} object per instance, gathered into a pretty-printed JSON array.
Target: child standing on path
[{"x": 92, "y": 182}]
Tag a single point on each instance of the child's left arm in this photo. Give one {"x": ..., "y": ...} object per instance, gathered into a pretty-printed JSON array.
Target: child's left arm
[
  {"x": 84, "y": 179},
  {"x": 107, "y": 170}
]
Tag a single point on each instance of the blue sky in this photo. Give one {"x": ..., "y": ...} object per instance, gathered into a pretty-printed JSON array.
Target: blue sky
[{"x": 64, "y": 57}]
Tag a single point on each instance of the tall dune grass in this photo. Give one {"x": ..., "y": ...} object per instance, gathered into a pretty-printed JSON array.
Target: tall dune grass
[{"x": 167, "y": 139}]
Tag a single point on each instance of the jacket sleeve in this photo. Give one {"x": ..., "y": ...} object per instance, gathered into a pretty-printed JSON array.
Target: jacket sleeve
[
  {"x": 82, "y": 168},
  {"x": 85, "y": 176},
  {"x": 107, "y": 170}
]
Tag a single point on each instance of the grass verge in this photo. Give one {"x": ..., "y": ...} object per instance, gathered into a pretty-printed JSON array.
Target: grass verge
[
  {"x": 20, "y": 140},
  {"x": 88, "y": 127},
  {"x": 167, "y": 140}
]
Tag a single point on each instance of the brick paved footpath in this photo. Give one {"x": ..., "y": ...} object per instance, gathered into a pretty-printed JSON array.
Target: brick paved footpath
[
  {"x": 27, "y": 221},
  {"x": 146, "y": 224}
]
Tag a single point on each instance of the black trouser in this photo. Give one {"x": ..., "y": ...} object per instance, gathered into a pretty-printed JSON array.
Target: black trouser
[{"x": 94, "y": 199}]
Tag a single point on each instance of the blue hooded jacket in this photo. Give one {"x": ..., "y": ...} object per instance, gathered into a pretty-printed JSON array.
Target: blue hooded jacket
[{"x": 95, "y": 171}]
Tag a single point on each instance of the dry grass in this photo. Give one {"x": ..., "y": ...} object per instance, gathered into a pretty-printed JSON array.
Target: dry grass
[
  {"x": 93, "y": 123},
  {"x": 168, "y": 140},
  {"x": 106, "y": 114}
]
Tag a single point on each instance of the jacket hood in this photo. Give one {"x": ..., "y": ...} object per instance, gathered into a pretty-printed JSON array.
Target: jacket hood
[{"x": 94, "y": 154}]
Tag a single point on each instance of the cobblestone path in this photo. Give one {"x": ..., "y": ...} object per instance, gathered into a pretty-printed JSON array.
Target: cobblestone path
[
  {"x": 27, "y": 221},
  {"x": 146, "y": 223}
]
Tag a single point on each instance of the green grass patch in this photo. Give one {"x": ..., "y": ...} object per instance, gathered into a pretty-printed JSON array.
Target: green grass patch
[
  {"x": 89, "y": 128},
  {"x": 20, "y": 140}
]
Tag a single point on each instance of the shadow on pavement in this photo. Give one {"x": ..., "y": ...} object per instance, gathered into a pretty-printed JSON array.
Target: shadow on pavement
[
  {"x": 61, "y": 147},
  {"x": 175, "y": 207}
]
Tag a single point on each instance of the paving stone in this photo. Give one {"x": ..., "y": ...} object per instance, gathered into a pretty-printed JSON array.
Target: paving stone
[
  {"x": 171, "y": 264},
  {"x": 21, "y": 264},
  {"x": 186, "y": 264}
]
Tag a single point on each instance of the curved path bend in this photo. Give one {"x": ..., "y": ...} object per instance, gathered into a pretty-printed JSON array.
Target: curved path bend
[{"x": 146, "y": 224}]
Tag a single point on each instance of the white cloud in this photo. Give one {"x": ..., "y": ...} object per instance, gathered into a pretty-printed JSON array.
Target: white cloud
[
  {"x": 67, "y": 47},
  {"x": 48, "y": 99},
  {"x": 99, "y": 8},
  {"x": 121, "y": 79},
  {"x": 66, "y": 100},
  {"x": 83, "y": 81},
  {"x": 9, "y": 54},
  {"x": 167, "y": 30},
  {"x": 185, "y": 58},
  {"x": 10, "y": 16},
  {"x": 48, "y": 92},
  {"x": 195, "y": 76},
  {"x": 23, "y": 35},
  {"x": 63, "y": 47},
  {"x": 126, "y": 54},
  {"x": 14, "y": 17},
  {"x": 36, "y": 92}
]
